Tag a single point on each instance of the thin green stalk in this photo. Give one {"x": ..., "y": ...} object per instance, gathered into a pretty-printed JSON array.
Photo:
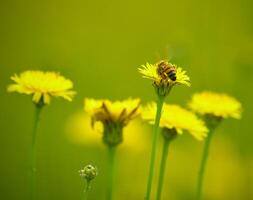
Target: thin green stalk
[
  {"x": 160, "y": 102},
  {"x": 33, "y": 151},
  {"x": 86, "y": 190},
  {"x": 111, "y": 166},
  {"x": 203, "y": 165},
  {"x": 162, "y": 168}
]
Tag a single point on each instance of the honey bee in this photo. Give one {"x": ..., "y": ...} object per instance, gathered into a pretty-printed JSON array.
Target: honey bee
[{"x": 166, "y": 70}]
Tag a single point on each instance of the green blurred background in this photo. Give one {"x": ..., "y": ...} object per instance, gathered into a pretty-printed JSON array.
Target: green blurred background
[{"x": 99, "y": 45}]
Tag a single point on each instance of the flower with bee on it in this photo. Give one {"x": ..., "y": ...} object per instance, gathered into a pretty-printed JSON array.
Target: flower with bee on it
[{"x": 164, "y": 75}]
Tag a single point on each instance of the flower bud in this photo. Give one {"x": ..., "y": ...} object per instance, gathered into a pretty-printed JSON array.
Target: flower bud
[{"x": 89, "y": 172}]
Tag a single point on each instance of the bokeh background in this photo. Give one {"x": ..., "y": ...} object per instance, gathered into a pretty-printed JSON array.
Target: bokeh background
[{"x": 99, "y": 45}]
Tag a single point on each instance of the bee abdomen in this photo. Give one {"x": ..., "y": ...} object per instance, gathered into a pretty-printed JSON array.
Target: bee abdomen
[{"x": 172, "y": 75}]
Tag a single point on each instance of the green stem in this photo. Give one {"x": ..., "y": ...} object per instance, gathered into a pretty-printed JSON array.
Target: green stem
[
  {"x": 203, "y": 165},
  {"x": 33, "y": 151},
  {"x": 86, "y": 190},
  {"x": 111, "y": 166},
  {"x": 160, "y": 102},
  {"x": 162, "y": 168}
]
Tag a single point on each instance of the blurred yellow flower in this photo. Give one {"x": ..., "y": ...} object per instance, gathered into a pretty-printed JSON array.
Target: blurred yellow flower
[
  {"x": 113, "y": 115},
  {"x": 177, "y": 118},
  {"x": 116, "y": 112},
  {"x": 42, "y": 85},
  {"x": 219, "y": 105},
  {"x": 80, "y": 132},
  {"x": 165, "y": 74}
]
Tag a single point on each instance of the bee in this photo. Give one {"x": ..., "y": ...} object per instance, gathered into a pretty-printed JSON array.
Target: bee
[{"x": 166, "y": 70}]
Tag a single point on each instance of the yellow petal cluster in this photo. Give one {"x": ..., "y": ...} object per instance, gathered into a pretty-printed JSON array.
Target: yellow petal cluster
[
  {"x": 42, "y": 85},
  {"x": 80, "y": 132},
  {"x": 178, "y": 118},
  {"x": 150, "y": 71},
  {"x": 120, "y": 112},
  {"x": 217, "y": 104}
]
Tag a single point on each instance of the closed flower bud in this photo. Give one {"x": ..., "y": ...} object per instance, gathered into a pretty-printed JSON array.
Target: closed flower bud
[{"x": 89, "y": 172}]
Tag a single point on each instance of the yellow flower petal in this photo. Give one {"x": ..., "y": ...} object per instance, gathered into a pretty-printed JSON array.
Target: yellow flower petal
[
  {"x": 219, "y": 105},
  {"x": 37, "y": 97},
  {"x": 46, "y": 98},
  {"x": 149, "y": 71}
]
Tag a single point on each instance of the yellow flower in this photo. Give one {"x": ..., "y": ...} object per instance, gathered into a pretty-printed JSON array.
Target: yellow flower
[
  {"x": 116, "y": 112},
  {"x": 160, "y": 74},
  {"x": 113, "y": 115},
  {"x": 79, "y": 131},
  {"x": 176, "y": 118},
  {"x": 218, "y": 105},
  {"x": 42, "y": 85}
]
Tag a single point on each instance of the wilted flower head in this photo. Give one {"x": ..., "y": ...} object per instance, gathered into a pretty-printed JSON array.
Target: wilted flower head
[
  {"x": 164, "y": 75},
  {"x": 79, "y": 131},
  {"x": 42, "y": 85},
  {"x": 112, "y": 112},
  {"x": 113, "y": 115},
  {"x": 89, "y": 172},
  {"x": 176, "y": 120},
  {"x": 215, "y": 104}
]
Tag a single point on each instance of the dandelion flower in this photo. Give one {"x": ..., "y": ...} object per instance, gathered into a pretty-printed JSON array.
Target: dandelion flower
[
  {"x": 174, "y": 121},
  {"x": 79, "y": 131},
  {"x": 107, "y": 112},
  {"x": 214, "y": 107},
  {"x": 218, "y": 105},
  {"x": 42, "y": 85},
  {"x": 164, "y": 75},
  {"x": 114, "y": 117},
  {"x": 177, "y": 118}
]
